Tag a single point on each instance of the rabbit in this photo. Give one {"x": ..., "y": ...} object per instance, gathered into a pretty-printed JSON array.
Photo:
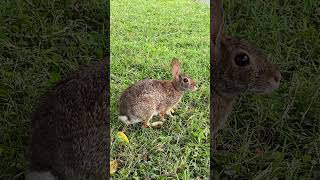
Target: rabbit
[
  {"x": 70, "y": 128},
  {"x": 147, "y": 98},
  {"x": 238, "y": 67}
]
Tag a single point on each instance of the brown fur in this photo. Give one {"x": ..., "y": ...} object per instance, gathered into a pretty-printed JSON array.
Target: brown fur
[
  {"x": 70, "y": 126},
  {"x": 146, "y": 98}
]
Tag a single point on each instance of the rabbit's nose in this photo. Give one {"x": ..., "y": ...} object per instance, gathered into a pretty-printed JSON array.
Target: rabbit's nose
[{"x": 195, "y": 87}]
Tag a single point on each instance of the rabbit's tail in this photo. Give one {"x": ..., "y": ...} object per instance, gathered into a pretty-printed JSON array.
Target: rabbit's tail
[
  {"x": 129, "y": 120},
  {"x": 124, "y": 119}
]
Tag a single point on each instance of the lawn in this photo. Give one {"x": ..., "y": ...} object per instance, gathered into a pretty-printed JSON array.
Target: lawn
[
  {"x": 145, "y": 36},
  {"x": 276, "y": 136},
  {"x": 40, "y": 42}
]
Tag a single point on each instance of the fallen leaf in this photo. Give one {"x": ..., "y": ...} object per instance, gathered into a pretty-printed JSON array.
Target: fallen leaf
[
  {"x": 123, "y": 136},
  {"x": 113, "y": 166}
]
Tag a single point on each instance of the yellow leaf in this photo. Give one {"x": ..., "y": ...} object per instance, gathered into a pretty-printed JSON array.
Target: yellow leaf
[
  {"x": 123, "y": 136},
  {"x": 172, "y": 111},
  {"x": 113, "y": 166}
]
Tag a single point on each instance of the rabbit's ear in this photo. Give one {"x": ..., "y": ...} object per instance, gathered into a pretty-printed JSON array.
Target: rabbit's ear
[
  {"x": 217, "y": 27},
  {"x": 175, "y": 65},
  {"x": 217, "y": 20}
]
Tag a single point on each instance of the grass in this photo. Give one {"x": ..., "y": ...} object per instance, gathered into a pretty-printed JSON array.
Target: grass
[
  {"x": 145, "y": 36},
  {"x": 276, "y": 136},
  {"x": 40, "y": 42}
]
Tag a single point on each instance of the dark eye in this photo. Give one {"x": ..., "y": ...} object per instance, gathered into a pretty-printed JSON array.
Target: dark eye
[
  {"x": 242, "y": 59},
  {"x": 185, "y": 80}
]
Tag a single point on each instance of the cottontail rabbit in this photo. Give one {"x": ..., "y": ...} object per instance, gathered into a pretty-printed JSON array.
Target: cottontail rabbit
[
  {"x": 70, "y": 128},
  {"x": 147, "y": 98},
  {"x": 238, "y": 67}
]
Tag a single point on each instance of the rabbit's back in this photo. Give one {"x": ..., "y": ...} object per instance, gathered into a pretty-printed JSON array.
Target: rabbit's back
[
  {"x": 70, "y": 128},
  {"x": 148, "y": 95}
]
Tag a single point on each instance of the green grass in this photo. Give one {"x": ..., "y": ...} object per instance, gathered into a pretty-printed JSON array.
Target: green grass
[
  {"x": 145, "y": 36},
  {"x": 40, "y": 42},
  {"x": 285, "y": 126}
]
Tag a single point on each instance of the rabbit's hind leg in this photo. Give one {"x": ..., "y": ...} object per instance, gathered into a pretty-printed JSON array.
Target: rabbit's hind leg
[
  {"x": 157, "y": 124},
  {"x": 146, "y": 123},
  {"x": 162, "y": 114}
]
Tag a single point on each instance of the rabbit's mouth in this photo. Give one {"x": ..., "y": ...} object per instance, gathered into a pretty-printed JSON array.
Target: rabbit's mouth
[
  {"x": 266, "y": 88},
  {"x": 194, "y": 88}
]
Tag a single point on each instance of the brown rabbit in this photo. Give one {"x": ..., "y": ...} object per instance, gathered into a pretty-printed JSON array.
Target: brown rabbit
[
  {"x": 147, "y": 98},
  {"x": 70, "y": 128},
  {"x": 238, "y": 67}
]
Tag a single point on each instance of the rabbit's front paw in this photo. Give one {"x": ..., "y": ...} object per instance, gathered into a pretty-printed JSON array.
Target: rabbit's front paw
[{"x": 171, "y": 113}]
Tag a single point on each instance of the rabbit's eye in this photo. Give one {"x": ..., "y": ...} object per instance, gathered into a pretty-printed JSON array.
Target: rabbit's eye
[
  {"x": 185, "y": 80},
  {"x": 242, "y": 59}
]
